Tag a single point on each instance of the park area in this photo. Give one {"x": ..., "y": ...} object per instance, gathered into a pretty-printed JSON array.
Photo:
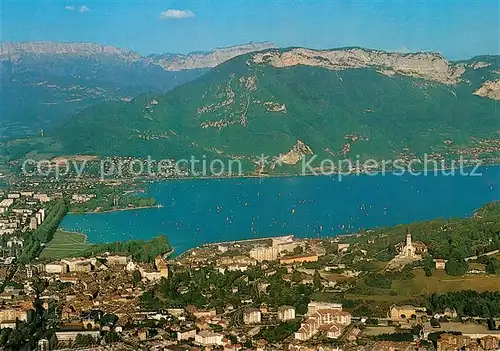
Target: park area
[{"x": 65, "y": 244}]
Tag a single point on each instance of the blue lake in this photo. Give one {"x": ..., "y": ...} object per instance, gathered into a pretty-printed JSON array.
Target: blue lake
[{"x": 199, "y": 211}]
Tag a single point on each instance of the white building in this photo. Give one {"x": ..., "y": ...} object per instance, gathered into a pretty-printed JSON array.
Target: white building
[
  {"x": 331, "y": 321},
  {"x": 42, "y": 213},
  {"x": 38, "y": 217},
  {"x": 315, "y": 306},
  {"x": 33, "y": 223},
  {"x": 252, "y": 316},
  {"x": 208, "y": 338},
  {"x": 70, "y": 336},
  {"x": 5, "y": 204},
  {"x": 264, "y": 253},
  {"x": 41, "y": 197},
  {"x": 15, "y": 242},
  {"x": 79, "y": 264},
  {"x": 286, "y": 313},
  {"x": 118, "y": 259},
  {"x": 56, "y": 268},
  {"x": 186, "y": 335}
]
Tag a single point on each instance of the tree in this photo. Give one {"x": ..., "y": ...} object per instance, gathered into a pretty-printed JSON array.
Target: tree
[
  {"x": 456, "y": 267},
  {"x": 467, "y": 303},
  {"x": 429, "y": 266},
  {"x": 111, "y": 337},
  {"x": 108, "y": 319},
  {"x": 296, "y": 276},
  {"x": 491, "y": 324},
  {"x": 492, "y": 266},
  {"x": 4, "y": 336},
  {"x": 317, "y": 280},
  {"x": 298, "y": 250},
  {"x": 136, "y": 276},
  {"x": 84, "y": 340},
  {"x": 435, "y": 323}
]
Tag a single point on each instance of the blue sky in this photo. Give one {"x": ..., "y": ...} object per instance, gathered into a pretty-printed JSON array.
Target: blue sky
[{"x": 456, "y": 28}]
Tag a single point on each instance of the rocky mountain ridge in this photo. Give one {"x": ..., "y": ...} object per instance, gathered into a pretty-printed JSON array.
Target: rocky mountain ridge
[
  {"x": 168, "y": 61},
  {"x": 425, "y": 65},
  {"x": 196, "y": 60},
  {"x": 12, "y": 49}
]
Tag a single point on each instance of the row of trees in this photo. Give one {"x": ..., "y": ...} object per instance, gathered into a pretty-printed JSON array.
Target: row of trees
[
  {"x": 141, "y": 250},
  {"x": 45, "y": 232},
  {"x": 467, "y": 303}
]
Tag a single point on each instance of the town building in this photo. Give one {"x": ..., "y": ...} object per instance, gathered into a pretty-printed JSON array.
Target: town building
[
  {"x": 298, "y": 259},
  {"x": 397, "y": 313},
  {"x": 286, "y": 313},
  {"x": 5, "y": 204},
  {"x": 42, "y": 213},
  {"x": 15, "y": 242},
  {"x": 161, "y": 266},
  {"x": 252, "y": 316},
  {"x": 264, "y": 253},
  {"x": 56, "y": 268},
  {"x": 70, "y": 336},
  {"x": 38, "y": 217},
  {"x": 314, "y": 306},
  {"x": 118, "y": 259},
  {"x": 412, "y": 249},
  {"x": 440, "y": 263},
  {"x": 41, "y": 197},
  {"x": 330, "y": 321},
  {"x": 186, "y": 335},
  {"x": 208, "y": 338},
  {"x": 205, "y": 313},
  {"x": 79, "y": 264},
  {"x": 342, "y": 248},
  {"x": 13, "y": 314},
  {"x": 333, "y": 331},
  {"x": 43, "y": 345},
  {"x": 33, "y": 223}
]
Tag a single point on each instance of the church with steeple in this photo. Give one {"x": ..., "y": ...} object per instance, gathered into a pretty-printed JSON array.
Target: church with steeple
[{"x": 410, "y": 248}]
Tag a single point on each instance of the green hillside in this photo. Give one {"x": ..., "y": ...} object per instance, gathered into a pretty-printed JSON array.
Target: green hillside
[
  {"x": 242, "y": 109},
  {"x": 40, "y": 91}
]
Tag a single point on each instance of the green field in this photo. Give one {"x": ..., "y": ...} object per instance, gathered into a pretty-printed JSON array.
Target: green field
[
  {"x": 420, "y": 285},
  {"x": 65, "y": 244}
]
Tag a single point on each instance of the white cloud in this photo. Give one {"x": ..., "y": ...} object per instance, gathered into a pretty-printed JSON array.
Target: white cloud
[
  {"x": 176, "y": 14},
  {"x": 83, "y": 8},
  {"x": 69, "y": 8}
]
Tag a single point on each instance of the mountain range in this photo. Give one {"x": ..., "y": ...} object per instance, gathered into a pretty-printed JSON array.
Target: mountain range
[
  {"x": 286, "y": 103},
  {"x": 43, "y": 83}
]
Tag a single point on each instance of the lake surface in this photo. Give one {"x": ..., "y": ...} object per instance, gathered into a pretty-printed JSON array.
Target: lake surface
[{"x": 199, "y": 211}]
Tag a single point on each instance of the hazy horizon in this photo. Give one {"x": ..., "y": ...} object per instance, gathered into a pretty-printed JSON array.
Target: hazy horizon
[{"x": 456, "y": 29}]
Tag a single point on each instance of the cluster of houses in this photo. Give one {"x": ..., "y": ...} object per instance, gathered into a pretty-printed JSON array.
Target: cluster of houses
[
  {"x": 325, "y": 317},
  {"x": 453, "y": 342},
  {"x": 79, "y": 285},
  {"x": 283, "y": 248},
  {"x": 21, "y": 211},
  {"x": 86, "y": 265}
]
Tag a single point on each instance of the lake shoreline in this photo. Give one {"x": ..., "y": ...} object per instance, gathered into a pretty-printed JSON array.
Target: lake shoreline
[
  {"x": 116, "y": 210},
  {"x": 211, "y": 211},
  {"x": 424, "y": 173}
]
